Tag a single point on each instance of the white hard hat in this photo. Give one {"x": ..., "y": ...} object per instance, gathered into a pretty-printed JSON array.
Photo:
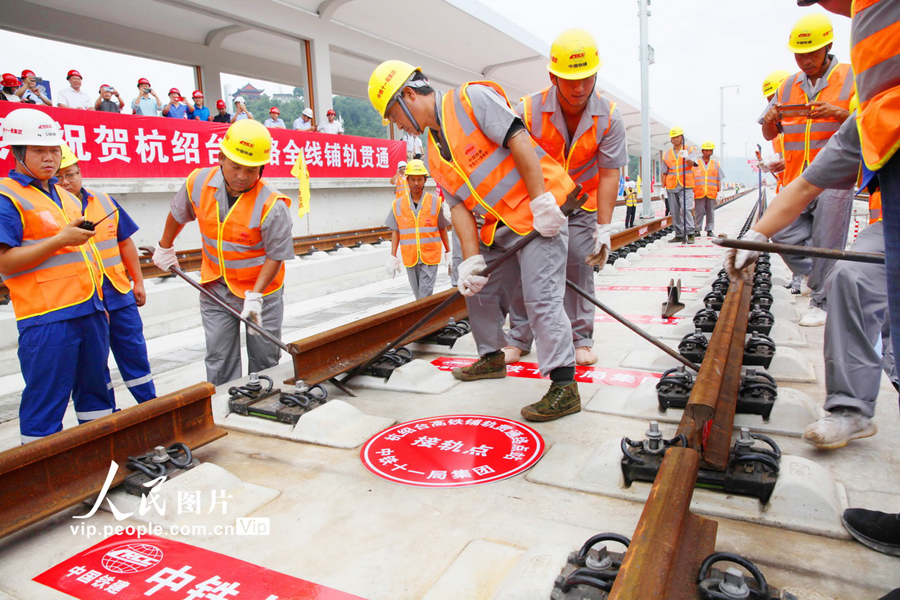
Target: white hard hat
[
  {"x": 30, "y": 127},
  {"x": 308, "y": 112},
  {"x": 400, "y": 164},
  {"x": 239, "y": 99}
]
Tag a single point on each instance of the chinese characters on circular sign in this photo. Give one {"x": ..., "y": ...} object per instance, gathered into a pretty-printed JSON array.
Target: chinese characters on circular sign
[{"x": 452, "y": 451}]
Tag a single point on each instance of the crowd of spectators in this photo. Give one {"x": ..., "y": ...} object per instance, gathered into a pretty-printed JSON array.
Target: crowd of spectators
[{"x": 25, "y": 89}]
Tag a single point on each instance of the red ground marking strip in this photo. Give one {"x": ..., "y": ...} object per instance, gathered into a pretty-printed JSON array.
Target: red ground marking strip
[
  {"x": 689, "y": 256},
  {"x": 131, "y": 567},
  {"x": 642, "y": 288},
  {"x": 642, "y": 319},
  {"x": 452, "y": 451},
  {"x": 528, "y": 370},
  {"x": 675, "y": 269}
]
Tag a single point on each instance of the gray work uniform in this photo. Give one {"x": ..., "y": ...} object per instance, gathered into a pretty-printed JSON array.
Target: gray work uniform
[
  {"x": 221, "y": 328},
  {"x": 705, "y": 208},
  {"x": 611, "y": 153},
  {"x": 680, "y": 198},
  {"x": 421, "y": 276},
  {"x": 540, "y": 266}
]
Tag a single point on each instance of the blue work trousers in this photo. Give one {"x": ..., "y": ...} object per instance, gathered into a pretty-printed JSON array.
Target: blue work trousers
[
  {"x": 889, "y": 180},
  {"x": 126, "y": 340}
]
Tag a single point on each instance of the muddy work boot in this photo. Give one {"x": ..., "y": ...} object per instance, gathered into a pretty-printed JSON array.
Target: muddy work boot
[
  {"x": 838, "y": 428},
  {"x": 489, "y": 366},
  {"x": 559, "y": 401}
]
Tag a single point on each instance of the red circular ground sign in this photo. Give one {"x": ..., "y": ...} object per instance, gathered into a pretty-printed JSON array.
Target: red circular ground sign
[{"x": 453, "y": 451}]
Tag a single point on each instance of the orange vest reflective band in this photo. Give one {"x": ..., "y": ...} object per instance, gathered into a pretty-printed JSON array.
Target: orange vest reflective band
[
  {"x": 875, "y": 206},
  {"x": 420, "y": 238},
  {"x": 401, "y": 187},
  {"x": 235, "y": 242},
  {"x": 875, "y": 35},
  {"x": 582, "y": 160},
  {"x": 69, "y": 276},
  {"x": 778, "y": 148},
  {"x": 805, "y": 137},
  {"x": 106, "y": 243},
  {"x": 676, "y": 175},
  {"x": 483, "y": 174},
  {"x": 706, "y": 179}
]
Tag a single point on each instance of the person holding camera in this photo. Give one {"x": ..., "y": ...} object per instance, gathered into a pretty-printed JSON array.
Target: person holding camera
[
  {"x": 147, "y": 103},
  {"x": 176, "y": 108},
  {"x": 105, "y": 103},
  {"x": 30, "y": 92},
  {"x": 240, "y": 111}
]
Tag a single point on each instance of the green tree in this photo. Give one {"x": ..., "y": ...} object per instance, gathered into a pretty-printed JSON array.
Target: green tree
[{"x": 359, "y": 117}]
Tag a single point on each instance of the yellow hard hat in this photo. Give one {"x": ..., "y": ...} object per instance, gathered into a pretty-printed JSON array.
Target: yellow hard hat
[
  {"x": 416, "y": 167},
  {"x": 574, "y": 55},
  {"x": 68, "y": 157},
  {"x": 247, "y": 143},
  {"x": 811, "y": 32},
  {"x": 708, "y": 145},
  {"x": 675, "y": 132},
  {"x": 386, "y": 81},
  {"x": 773, "y": 81}
]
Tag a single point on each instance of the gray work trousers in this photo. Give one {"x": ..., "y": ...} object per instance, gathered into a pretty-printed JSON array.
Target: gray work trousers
[
  {"x": 822, "y": 224},
  {"x": 704, "y": 207},
  {"x": 421, "y": 279},
  {"x": 456, "y": 258},
  {"x": 857, "y": 314},
  {"x": 223, "y": 334},
  {"x": 541, "y": 269},
  {"x": 678, "y": 200},
  {"x": 582, "y": 225}
]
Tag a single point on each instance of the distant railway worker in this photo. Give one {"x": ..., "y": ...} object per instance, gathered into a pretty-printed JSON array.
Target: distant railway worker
[
  {"x": 708, "y": 176},
  {"x": 630, "y": 202},
  {"x": 119, "y": 259},
  {"x": 678, "y": 169},
  {"x": 10, "y": 85},
  {"x": 304, "y": 121},
  {"x": 817, "y": 98},
  {"x": 583, "y": 132},
  {"x": 399, "y": 179},
  {"x": 419, "y": 231},
  {"x": 473, "y": 126},
  {"x": 274, "y": 121},
  {"x": 55, "y": 283},
  {"x": 333, "y": 125},
  {"x": 246, "y": 228},
  {"x": 413, "y": 146},
  {"x": 224, "y": 116},
  {"x": 147, "y": 102}
]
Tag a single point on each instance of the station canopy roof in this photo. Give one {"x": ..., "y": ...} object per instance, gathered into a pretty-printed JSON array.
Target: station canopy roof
[{"x": 264, "y": 39}]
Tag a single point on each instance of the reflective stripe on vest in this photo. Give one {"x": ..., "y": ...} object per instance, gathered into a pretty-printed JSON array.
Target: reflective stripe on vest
[
  {"x": 420, "y": 238},
  {"x": 106, "y": 243},
  {"x": 581, "y": 161},
  {"x": 706, "y": 180},
  {"x": 805, "y": 137},
  {"x": 482, "y": 173},
  {"x": 875, "y": 206},
  {"x": 70, "y": 275},
  {"x": 875, "y": 54},
  {"x": 675, "y": 175},
  {"x": 235, "y": 243}
]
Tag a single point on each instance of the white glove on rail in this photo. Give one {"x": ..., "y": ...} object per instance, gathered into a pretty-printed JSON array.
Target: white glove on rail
[
  {"x": 684, "y": 154},
  {"x": 548, "y": 218},
  {"x": 164, "y": 258},
  {"x": 470, "y": 280},
  {"x": 736, "y": 260},
  {"x": 393, "y": 266},
  {"x": 253, "y": 302},
  {"x": 602, "y": 246}
]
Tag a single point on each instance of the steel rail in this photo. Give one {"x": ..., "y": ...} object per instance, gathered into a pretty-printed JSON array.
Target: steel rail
[{"x": 863, "y": 257}]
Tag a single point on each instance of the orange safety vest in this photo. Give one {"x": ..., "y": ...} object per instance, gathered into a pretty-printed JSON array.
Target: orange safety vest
[
  {"x": 875, "y": 35},
  {"x": 106, "y": 243},
  {"x": 482, "y": 173},
  {"x": 778, "y": 147},
  {"x": 235, "y": 242},
  {"x": 805, "y": 137},
  {"x": 875, "y": 206},
  {"x": 706, "y": 179},
  {"x": 70, "y": 275},
  {"x": 420, "y": 237},
  {"x": 400, "y": 188},
  {"x": 675, "y": 176},
  {"x": 582, "y": 160}
]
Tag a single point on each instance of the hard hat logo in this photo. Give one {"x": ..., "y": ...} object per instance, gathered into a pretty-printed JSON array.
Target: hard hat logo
[{"x": 574, "y": 55}]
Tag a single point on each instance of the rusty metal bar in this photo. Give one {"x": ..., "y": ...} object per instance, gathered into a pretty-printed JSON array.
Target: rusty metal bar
[
  {"x": 48, "y": 475},
  {"x": 863, "y": 257},
  {"x": 670, "y": 542},
  {"x": 629, "y": 236}
]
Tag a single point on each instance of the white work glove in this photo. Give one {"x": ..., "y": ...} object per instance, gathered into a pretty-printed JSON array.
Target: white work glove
[
  {"x": 684, "y": 154},
  {"x": 470, "y": 279},
  {"x": 548, "y": 219},
  {"x": 393, "y": 266},
  {"x": 164, "y": 258},
  {"x": 253, "y": 302},
  {"x": 446, "y": 258},
  {"x": 736, "y": 260},
  {"x": 602, "y": 246}
]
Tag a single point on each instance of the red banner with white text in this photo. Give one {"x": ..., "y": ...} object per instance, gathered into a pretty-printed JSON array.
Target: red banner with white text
[{"x": 131, "y": 146}]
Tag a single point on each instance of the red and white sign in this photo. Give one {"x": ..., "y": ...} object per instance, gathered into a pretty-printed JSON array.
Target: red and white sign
[
  {"x": 131, "y": 567},
  {"x": 528, "y": 370},
  {"x": 642, "y": 288},
  {"x": 643, "y": 319},
  {"x": 112, "y": 145},
  {"x": 679, "y": 269},
  {"x": 453, "y": 451}
]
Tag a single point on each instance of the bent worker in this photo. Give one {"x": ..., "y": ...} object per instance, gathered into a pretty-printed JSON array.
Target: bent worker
[
  {"x": 470, "y": 128},
  {"x": 246, "y": 231},
  {"x": 419, "y": 230},
  {"x": 678, "y": 169},
  {"x": 707, "y": 183},
  {"x": 118, "y": 258},
  {"x": 583, "y": 132},
  {"x": 54, "y": 282}
]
